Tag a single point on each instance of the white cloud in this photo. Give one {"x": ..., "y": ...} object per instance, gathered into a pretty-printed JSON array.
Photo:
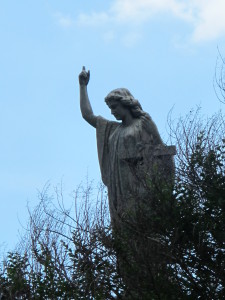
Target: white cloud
[
  {"x": 210, "y": 21},
  {"x": 64, "y": 20},
  {"x": 94, "y": 19},
  {"x": 142, "y": 10},
  {"x": 206, "y": 16}
]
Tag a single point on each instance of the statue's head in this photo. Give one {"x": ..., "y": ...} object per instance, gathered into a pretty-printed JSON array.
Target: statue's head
[{"x": 124, "y": 97}]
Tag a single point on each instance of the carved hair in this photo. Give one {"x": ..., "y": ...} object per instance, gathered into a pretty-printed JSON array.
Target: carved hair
[{"x": 126, "y": 99}]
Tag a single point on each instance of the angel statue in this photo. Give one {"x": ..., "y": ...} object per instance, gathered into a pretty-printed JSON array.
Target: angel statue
[{"x": 130, "y": 149}]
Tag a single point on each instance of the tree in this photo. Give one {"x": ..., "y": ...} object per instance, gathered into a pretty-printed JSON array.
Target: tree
[
  {"x": 173, "y": 247},
  {"x": 200, "y": 192},
  {"x": 67, "y": 253}
]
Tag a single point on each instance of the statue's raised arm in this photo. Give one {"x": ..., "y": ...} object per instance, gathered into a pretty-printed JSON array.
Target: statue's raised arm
[{"x": 85, "y": 105}]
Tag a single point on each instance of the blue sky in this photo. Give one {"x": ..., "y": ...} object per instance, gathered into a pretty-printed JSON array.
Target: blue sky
[{"x": 163, "y": 51}]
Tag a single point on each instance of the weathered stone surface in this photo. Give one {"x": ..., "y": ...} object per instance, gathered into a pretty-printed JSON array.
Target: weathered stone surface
[{"x": 131, "y": 152}]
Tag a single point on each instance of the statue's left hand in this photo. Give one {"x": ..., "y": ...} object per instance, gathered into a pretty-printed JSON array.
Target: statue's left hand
[{"x": 84, "y": 77}]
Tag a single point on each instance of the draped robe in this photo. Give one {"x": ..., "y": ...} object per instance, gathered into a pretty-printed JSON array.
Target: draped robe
[{"x": 127, "y": 155}]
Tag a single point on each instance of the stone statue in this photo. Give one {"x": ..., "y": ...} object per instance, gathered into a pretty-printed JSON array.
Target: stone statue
[{"x": 129, "y": 151}]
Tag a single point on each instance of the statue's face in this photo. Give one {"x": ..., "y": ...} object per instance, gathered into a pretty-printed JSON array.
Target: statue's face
[{"x": 118, "y": 110}]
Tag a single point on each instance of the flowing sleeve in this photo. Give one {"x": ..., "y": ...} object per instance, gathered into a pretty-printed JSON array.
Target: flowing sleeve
[{"x": 104, "y": 129}]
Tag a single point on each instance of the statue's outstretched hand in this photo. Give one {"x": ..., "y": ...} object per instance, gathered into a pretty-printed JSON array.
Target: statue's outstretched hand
[{"x": 84, "y": 77}]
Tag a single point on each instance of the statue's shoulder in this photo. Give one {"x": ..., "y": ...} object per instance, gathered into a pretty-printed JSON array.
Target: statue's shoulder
[
  {"x": 103, "y": 123},
  {"x": 145, "y": 122}
]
